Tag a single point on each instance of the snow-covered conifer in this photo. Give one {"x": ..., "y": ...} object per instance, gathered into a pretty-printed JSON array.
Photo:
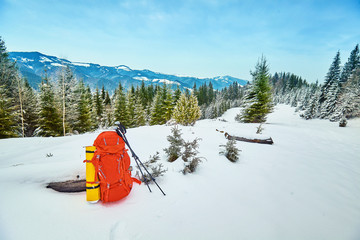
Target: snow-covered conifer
[
  {"x": 8, "y": 126},
  {"x": 98, "y": 107},
  {"x": 350, "y": 65},
  {"x": 120, "y": 112},
  {"x": 50, "y": 123},
  {"x": 258, "y": 99},
  {"x": 83, "y": 122},
  {"x": 157, "y": 114},
  {"x": 189, "y": 156},
  {"x": 68, "y": 96},
  {"x": 140, "y": 114},
  {"x": 187, "y": 110},
  {"x": 173, "y": 152},
  {"x": 230, "y": 151}
]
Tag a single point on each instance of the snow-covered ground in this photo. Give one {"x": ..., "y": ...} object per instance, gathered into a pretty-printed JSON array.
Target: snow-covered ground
[{"x": 305, "y": 186}]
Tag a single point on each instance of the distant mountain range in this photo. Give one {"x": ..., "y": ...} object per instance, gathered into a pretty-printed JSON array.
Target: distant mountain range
[{"x": 32, "y": 65}]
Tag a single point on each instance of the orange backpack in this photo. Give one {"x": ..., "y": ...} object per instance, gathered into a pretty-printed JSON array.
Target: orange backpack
[{"x": 112, "y": 163}]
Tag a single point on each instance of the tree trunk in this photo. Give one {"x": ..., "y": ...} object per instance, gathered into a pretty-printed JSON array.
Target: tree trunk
[{"x": 262, "y": 141}]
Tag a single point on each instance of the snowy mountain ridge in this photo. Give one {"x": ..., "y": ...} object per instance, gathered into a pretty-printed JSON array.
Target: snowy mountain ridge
[{"x": 33, "y": 64}]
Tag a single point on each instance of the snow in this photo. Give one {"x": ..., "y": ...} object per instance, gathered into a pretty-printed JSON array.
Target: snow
[
  {"x": 123, "y": 67},
  {"x": 57, "y": 65},
  {"x": 81, "y": 64},
  {"x": 22, "y": 59},
  {"x": 165, "y": 81},
  {"x": 141, "y": 78},
  {"x": 44, "y": 59},
  {"x": 305, "y": 186}
]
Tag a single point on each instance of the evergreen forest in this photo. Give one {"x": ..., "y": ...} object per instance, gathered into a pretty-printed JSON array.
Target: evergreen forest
[{"x": 65, "y": 105}]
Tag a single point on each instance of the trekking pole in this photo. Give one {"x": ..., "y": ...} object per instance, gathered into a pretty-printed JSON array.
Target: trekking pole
[{"x": 121, "y": 130}]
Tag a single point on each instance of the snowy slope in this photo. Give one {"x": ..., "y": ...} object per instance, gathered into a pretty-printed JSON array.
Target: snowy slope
[{"x": 305, "y": 186}]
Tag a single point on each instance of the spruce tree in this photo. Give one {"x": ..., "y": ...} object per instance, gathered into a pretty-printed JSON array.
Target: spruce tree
[
  {"x": 173, "y": 152},
  {"x": 193, "y": 111},
  {"x": 348, "y": 105},
  {"x": 157, "y": 114},
  {"x": 83, "y": 122},
  {"x": 8, "y": 74},
  {"x": 230, "y": 151},
  {"x": 333, "y": 76},
  {"x": 130, "y": 110},
  {"x": 311, "y": 108},
  {"x": 50, "y": 123},
  {"x": 330, "y": 89},
  {"x": 187, "y": 110},
  {"x": 166, "y": 102},
  {"x": 68, "y": 96},
  {"x": 328, "y": 106},
  {"x": 258, "y": 99},
  {"x": 120, "y": 106},
  {"x": 98, "y": 108},
  {"x": 350, "y": 65},
  {"x": 8, "y": 126},
  {"x": 108, "y": 114},
  {"x": 180, "y": 111},
  {"x": 177, "y": 94},
  {"x": 140, "y": 114},
  {"x": 29, "y": 109}
]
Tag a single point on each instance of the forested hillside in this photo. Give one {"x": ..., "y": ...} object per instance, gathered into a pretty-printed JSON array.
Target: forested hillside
[{"x": 66, "y": 105}]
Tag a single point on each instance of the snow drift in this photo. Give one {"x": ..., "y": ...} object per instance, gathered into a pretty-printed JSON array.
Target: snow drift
[{"x": 305, "y": 186}]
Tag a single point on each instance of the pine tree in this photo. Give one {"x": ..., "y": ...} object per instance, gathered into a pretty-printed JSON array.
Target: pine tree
[
  {"x": 68, "y": 98},
  {"x": 83, "y": 122},
  {"x": 350, "y": 65},
  {"x": 8, "y": 74},
  {"x": 348, "y": 105},
  {"x": 231, "y": 152},
  {"x": 194, "y": 112},
  {"x": 173, "y": 152},
  {"x": 108, "y": 114},
  {"x": 189, "y": 156},
  {"x": 50, "y": 123},
  {"x": 103, "y": 93},
  {"x": 29, "y": 109},
  {"x": 177, "y": 94},
  {"x": 180, "y": 111},
  {"x": 187, "y": 110},
  {"x": 330, "y": 89},
  {"x": 120, "y": 107},
  {"x": 157, "y": 114},
  {"x": 130, "y": 110},
  {"x": 332, "y": 76},
  {"x": 211, "y": 93},
  {"x": 9, "y": 115},
  {"x": 166, "y": 102},
  {"x": 312, "y": 106},
  {"x": 8, "y": 126},
  {"x": 98, "y": 108},
  {"x": 140, "y": 114},
  {"x": 258, "y": 98},
  {"x": 328, "y": 106}
]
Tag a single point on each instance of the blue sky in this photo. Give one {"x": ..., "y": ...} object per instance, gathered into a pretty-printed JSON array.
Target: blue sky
[{"x": 201, "y": 38}]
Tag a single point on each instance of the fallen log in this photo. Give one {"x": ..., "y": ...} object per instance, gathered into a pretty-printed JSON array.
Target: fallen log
[
  {"x": 261, "y": 141},
  {"x": 68, "y": 186}
]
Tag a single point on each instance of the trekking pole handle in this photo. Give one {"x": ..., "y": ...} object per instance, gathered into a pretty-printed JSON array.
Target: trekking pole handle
[{"x": 121, "y": 127}]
